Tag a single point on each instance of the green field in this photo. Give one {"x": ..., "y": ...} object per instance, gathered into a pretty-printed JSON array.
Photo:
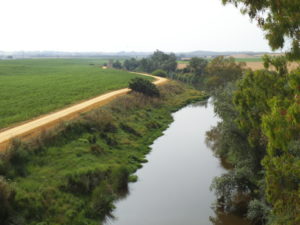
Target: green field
[
  {"x": 33, "y": 87},
  {"x": 182, "y": 62}
]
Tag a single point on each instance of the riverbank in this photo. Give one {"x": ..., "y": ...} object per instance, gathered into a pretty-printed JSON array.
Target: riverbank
[
  {"x": 73, "y": 174},
  {"x": 174, "y": 186}
]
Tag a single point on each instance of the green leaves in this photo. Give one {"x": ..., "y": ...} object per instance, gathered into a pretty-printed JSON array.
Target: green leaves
[
  {"x": 280, "y": 19},
  {"x": 144, "y": 86}
]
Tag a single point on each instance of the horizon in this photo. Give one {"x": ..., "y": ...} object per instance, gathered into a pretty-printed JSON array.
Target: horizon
[{"x": 134, "y": 51}]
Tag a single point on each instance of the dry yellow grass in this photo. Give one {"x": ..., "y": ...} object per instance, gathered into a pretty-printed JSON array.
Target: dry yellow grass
[
  {"x": 251, "y": 65},
  {"x": 181, "y": 66},
  {"x": 260, "y": 65}
]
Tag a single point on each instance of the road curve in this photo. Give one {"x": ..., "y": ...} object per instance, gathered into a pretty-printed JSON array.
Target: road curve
[{"x": 38, "y": 125}]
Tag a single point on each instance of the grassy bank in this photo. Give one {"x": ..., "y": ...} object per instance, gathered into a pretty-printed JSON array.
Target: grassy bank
[
  {"x": 33, "y": 87},
  {"x": 73, "y": 174}
]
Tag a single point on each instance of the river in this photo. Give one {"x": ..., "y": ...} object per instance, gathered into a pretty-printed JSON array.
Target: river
[{"x": 173, "y": 187}]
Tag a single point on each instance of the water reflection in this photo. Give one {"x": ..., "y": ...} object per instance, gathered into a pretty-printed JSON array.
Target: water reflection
[
  {"x": 222, "y": 218},
  {"x": 173, "y": 187},
  {"x": 203, "y": 103}
]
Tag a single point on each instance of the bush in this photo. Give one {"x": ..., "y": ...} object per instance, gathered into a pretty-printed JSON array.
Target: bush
[
  {"x": 120, "y": 179},
  {"x": 83, "y": 182},
  {"x": 100, "y": 120},
  {"x": 101, "y": 204},
  {"x": 97, "y": 149},
  {"x": 144, "y": 86},
  {"x": 258, "y": 211},
  {"x": 160, "y": 73},
  {"x": 6, "y": 199},
  {"x": 129, "y": 129},
  {"x": 17, "y": 156}
]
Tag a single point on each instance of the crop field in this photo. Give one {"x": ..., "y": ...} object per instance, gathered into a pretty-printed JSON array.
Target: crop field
[
  {"x": 182, "y": 62},
  {"x": 32, "y": 87}
]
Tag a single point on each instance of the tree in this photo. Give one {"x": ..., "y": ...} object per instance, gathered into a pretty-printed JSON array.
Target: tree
[
  {"x": 282, "y": 163},
  {"x": 144, "y": 86},
  {"x": 161, "y": 60},
  {"x": 117, "y": 65},
  {"x": 222, "y": 70},
  {"x": 280, "y": 19},
  {"x": 146, "y": 65},
  {"x": 131, "y": 64},
  {"x": 269, "y": 108},
  {"x": 197, "y": 65}
]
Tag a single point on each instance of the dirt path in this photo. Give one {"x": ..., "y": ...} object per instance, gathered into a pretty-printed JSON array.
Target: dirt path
[{"x": 42, "y": 123}]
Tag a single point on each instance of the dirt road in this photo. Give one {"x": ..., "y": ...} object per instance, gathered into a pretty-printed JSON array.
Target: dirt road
[{"x": 42, "y": 123}]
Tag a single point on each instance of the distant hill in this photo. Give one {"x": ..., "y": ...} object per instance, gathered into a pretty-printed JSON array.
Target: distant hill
[
  {"x": 122, "y": 54},
  {"x": 227, "y": 53}
]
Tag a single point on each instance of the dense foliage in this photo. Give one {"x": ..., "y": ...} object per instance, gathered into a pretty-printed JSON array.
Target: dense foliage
[
  {"x": 261, "y": 123},
  {"x": 259, "y": 137},
  {"x": 157, "y": 61},
  {"x": 144, "y": 86},
  {"x": 210, "y": 75}
]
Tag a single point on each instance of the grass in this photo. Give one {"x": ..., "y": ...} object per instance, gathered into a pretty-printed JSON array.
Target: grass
[
  {"x": 33, "y": 87},
  {"x": 75, "y": 179},
  {"x": 182, "y": 62}
]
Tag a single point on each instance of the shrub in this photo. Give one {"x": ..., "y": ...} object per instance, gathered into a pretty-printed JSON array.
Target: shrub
[
  {"x": 258, "y": 211},
  {"x": 3, "y": 165},
  {"x": 133, "y": 178},
  {"x": 100, "y": 120},
  {"x": 170, "y": 89},
  {"x": 120, "y": 179},
  {"x": 83, "y": 182},
  {"x": 129, "y": 129},
  {"x": 97, "y": 149},
  {"x": 7, "y": 196},
  {"x": 17, "y": 156},
  {"x": 144, "y": 86},
  {"x": 92, "y": 139},
  {"x": 153, "y": 125},
  {"x": 110, "y": 140},
  {"x": 160, "y": 73},
  {"x": 101, "y": 204}
]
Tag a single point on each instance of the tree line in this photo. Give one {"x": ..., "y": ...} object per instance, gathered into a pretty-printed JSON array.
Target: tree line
[
  {"x": 159, "y": 62},
  {"x": 260, "y": 130}
]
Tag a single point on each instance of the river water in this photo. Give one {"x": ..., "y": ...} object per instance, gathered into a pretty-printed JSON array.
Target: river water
[{"x": 173, "y": 187}]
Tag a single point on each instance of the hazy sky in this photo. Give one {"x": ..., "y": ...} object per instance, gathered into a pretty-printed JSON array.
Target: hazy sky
[{"x": 126, "y": 25}]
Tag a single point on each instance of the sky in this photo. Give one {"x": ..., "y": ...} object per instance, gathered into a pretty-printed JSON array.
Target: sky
[{"x": 126, "y": 25}]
